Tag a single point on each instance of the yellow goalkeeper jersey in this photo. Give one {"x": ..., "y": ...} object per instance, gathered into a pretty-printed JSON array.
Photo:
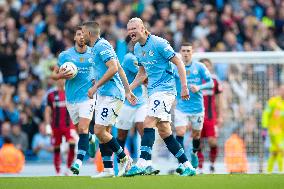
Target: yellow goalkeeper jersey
[{"x": 273, "y": 116}]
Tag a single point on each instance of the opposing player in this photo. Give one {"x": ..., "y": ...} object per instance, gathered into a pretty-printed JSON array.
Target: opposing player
[
  {"x": 79, "y": 106},
  {"x": 154, "y": 56},
  {"x": 192, "y": 110},
  {"x": 110, "y": 79},
  {"x": 132, "y": 115},
  {"x": 213, "y": 107},
  {"x": 273, "y": 121},
  {"x": 57, "y": 116}
]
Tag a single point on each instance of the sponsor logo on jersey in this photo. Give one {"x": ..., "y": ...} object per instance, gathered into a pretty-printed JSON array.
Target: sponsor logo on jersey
[
  {"x": 187, "y": 72},
  {"x": 151, "y": 53},
  {"x": 81, "y": 59},
  {"x": 90, "y": 60}
]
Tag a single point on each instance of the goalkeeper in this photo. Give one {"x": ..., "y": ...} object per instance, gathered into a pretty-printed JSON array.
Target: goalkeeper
[{"x": 273, "y": 122}]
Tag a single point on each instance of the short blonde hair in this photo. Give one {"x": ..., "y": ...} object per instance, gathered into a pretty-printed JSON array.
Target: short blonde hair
[{"x": 140, "y": 21}]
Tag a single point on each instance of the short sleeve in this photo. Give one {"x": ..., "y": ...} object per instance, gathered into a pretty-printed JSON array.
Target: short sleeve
[
  {"x": 61, "y": 59},
  {"x": 106, "y": 52},
  {"x": 130, "y": 63},
  {"x": 165, "y": 49},
  {"x": 205, "y": 74}
]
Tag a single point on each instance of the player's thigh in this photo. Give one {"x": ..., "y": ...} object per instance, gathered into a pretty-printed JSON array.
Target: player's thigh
[
  {"x": 73, "y": 110},
  {"x": 107, "y": 110},
  {"x": 125, "y": 119},
  {"x": 159, "y": 105},
  {"x": 150, "y": 122}
]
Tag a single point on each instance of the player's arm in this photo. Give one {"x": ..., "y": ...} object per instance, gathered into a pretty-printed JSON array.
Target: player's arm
[
  {"x": 219, "y": 100},
  {"x": 112, "y": 69},
  {"x": 182, "y": 75},
  {"x": 139, "y": 79},
  {"x": 206, "y": 77},
  {"x": 128, "y": 93},
  {"x": 219, "y": 108},
  {"x": 48, "y": 113}
]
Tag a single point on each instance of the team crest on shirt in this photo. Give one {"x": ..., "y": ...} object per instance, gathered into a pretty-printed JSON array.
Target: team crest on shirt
[
  {"x": 136, "y": 63},
  {"x": 151, "y": 53},
  {"x": 143, "y": 53},
  {"x": 90, "y": 60},
  {"x": 187, "y": 72},
  {"x": 81, "y": 59}
]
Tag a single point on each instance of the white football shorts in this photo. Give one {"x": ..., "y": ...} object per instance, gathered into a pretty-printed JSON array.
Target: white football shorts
[
  {"x": 79, "y": 110},
  {"x": 183, "y": 119},
  {"x": 130, "y": 115},
  {"x": 160, "y": 104},
  {"x": 107, "y": 110}
]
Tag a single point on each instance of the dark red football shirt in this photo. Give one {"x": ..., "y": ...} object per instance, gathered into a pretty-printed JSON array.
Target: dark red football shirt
[
  {"x": 209, "y": 96},
  {"x": 60, "y": 115}
]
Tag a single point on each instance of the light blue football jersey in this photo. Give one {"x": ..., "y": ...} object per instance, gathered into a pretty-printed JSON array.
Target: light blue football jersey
[
  {"x": 196, "y": 74},
  {"x": 130, "y": 67},
  {"x": 77, "y": 88},
  {"x": 102, "y": 52},
  {"x": 155, "y": 57}
]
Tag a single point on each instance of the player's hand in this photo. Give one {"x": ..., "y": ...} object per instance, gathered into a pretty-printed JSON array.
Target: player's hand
[
  {"x": 92, "y": 91},
  {"x": 194, "y": 88},
  {"x": 185, "y": 93},
  {"x": 65, "y": 74},
  {"x": 131, "y": 98}
]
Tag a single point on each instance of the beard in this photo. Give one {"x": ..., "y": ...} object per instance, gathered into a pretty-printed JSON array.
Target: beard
[{"x": 87, "y": 41}]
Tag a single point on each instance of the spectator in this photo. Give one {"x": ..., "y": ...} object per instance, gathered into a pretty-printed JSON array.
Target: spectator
[
  {"x": 5, "y": 132},
  {"x": 12, "y": 160},
  {"x": 41, "y": 144},
  {"x": 19, "y": 138}
]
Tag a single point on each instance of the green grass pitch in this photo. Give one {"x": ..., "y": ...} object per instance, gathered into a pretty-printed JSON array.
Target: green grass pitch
[{"x": 147, "y": 182}]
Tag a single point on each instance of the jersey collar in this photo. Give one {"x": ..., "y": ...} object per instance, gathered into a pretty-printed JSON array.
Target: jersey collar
[
  {"x": 189, "y": 65},
  {"x": 149, "y": 35},
  {"x": 97, "y": 41},
  {"x": 78, "y": 51}
]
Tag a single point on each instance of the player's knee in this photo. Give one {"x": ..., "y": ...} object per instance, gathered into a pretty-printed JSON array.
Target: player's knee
[
  {"x": 83, "y": 126},
  {"x": 164, "y": 131},
  {"x": 212, "y": 142},
  {"x": 180, "y": 131},
  {"x": 122, "y": 134},
  {"x": 196, "y": 134},
  {"x": 83, "y": 130},
  {"x": 99, "y": 131}
]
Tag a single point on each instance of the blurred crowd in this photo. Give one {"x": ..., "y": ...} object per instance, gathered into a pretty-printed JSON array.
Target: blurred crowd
[{"x": 34, "y": 32}]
